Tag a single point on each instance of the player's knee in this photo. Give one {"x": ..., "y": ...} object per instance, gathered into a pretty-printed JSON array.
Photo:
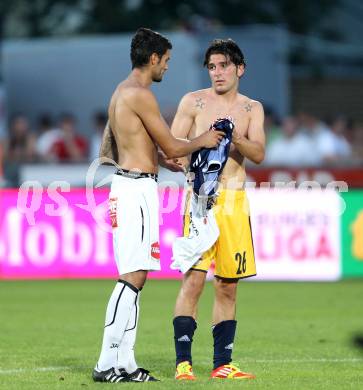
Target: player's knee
[
  {"x": 226, "y": 290},
  {"x": 137, "y": 278},
  {"x": 192, "y": 289},
  {"x": 193, "y": 286}
]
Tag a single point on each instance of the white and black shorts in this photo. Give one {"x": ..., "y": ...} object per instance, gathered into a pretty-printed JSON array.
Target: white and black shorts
[{"x": 134, "y": 214}]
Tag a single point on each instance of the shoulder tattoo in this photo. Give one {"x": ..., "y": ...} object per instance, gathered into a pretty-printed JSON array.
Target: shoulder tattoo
[
  {"x": 248, "y": 107},
  {"x": 199, "y": 103}
]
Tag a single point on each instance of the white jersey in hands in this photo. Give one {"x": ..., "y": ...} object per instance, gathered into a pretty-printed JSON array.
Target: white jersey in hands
[{"x": 203, "y": 233}]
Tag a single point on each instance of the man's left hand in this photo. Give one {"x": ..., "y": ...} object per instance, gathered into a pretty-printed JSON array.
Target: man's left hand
[{"x": 173, "y": 164}]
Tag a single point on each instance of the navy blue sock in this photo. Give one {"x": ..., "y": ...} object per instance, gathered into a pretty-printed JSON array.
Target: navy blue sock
[
  {"x": 184, "y": 327},
  {"x": 223, "y": 334}
]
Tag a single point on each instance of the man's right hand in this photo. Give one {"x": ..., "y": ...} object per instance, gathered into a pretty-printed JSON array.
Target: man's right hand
[{"x": 212, "y": 138}]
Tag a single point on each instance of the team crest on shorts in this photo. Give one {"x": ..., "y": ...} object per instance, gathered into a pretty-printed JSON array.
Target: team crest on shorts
[
  {"x": 155, "y": 251},
  {"x": 112, "y": 204}
]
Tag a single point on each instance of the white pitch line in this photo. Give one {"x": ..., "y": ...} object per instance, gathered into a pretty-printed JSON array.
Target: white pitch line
[
  {"x": 278, "y": 361},
  {"x": 321, "y": 360},
  {"x": 307, "y": 360},
  {"x": 37, "y": 369}
]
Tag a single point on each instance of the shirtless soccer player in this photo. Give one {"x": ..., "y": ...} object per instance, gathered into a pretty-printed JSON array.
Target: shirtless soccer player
[
  {"x": 233, "y": 251},
  {"x": 132, "y": 135}
]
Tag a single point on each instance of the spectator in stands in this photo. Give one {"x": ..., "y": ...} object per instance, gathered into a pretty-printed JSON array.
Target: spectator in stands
[
  {"x": 291, "y": 148},
  {"x": 271, "y": 126},
  {"x": 2, "y": 180},
  {"x": 19, "y": 148},
  {"x": 45, "y": 123},
  {"x": 323, "y": 138},
  {"x": 357, "y": 144},
  {"x": 2, "y": 147},
  {"x": 339, "y": 126},
  {"x": 48, "y": 135},
  {"x": 99, "y": 121},
  {"x": 70, "y": 146},
  {"x": 20, "y": 145}
]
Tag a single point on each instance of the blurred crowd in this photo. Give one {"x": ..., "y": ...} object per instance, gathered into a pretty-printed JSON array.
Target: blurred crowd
[
  {"x": 299, "y": 140},
  {"x": 56, "y": 141},
  {"x": 52, "y": 141},
  {"x": 305, "y": 140}
]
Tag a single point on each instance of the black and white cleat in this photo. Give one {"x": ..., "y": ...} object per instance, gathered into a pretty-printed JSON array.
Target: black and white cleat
[
  {"x": 113, "y": 375},
  {"x": 141, "y": 375}
]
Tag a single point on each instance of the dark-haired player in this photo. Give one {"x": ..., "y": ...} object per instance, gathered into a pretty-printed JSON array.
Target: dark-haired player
[
  {"x": 233, "y": 251},
  {"x": 132, "y": 135}
]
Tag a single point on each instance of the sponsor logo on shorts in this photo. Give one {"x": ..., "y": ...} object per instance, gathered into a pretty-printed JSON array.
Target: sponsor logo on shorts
[
  {"x": 112, "y": 204},
  {"x": 155, "y": 250}
]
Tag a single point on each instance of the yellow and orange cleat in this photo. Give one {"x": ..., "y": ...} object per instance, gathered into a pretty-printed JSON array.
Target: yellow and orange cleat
[
  {"x": 184, "y": 372},
  {"x": 230, "y": 371}
]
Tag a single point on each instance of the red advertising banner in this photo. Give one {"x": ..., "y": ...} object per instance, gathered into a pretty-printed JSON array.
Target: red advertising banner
[{"x": 352, "y": 176}]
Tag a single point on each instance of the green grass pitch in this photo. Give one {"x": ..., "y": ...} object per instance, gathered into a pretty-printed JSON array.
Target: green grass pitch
[{"x": 291, "y": 335}]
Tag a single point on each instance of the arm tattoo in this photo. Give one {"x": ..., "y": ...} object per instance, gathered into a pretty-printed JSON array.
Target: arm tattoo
[
  {"x": 248, "y": 107},
  {"x": 108, "y": 145},
  {"x": 199, "y": 103}
]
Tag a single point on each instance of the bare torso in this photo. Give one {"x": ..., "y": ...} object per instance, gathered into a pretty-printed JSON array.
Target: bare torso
[
  {"x": 136, "y": 149},
  {"x": 208, "y": 108}
]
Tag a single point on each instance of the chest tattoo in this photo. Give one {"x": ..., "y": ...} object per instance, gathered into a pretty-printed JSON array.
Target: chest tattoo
[
  {"x": 199, "y": 103},
  {"x": 248, "y": 107}
]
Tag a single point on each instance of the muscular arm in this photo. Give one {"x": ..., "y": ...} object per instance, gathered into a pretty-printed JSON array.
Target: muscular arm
[
  {"x": 145, "y": 105},
  {"x": 184, "y": 118},
  {"x": 183, "y": 123},
  {"x": 252, "y": 146},
  {"x": 108, "y": 146},
  {"x": 173, "y": 164}
]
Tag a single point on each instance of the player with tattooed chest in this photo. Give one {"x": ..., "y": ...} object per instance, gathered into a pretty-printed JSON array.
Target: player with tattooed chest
[
  {"x": 207, "y": 106},
  {"x": 232, "y": 253}
]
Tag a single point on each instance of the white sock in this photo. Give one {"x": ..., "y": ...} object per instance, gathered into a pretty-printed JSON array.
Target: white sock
[
  {"x": 118, "y": 312},
  {"x": 126, "y": 354}
]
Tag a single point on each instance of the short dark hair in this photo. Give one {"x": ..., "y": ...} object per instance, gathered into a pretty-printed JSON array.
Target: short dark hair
[
  {"x": 146, "y": 42},
  {"x": 227, "y": 47}
]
